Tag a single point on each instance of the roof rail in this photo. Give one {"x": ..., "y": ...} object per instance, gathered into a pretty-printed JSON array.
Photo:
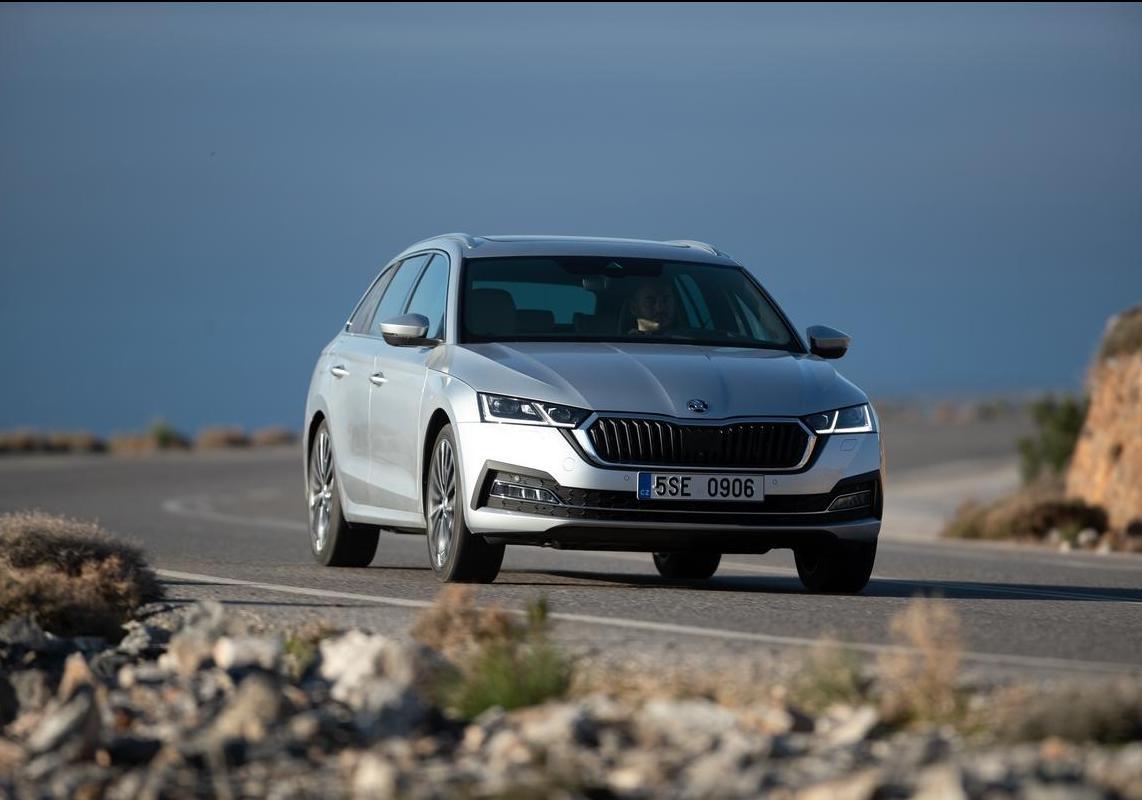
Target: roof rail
[
  {"x": 709, "y": 248},
  {"x": 468, "y": 239}
]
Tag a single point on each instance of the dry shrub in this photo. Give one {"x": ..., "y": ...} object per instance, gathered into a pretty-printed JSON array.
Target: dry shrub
[
  {"x": 501, "y": 661},
  {"x": 75, "y": 442},
  {"x": 918, "y": 682},
  {"x": 1104, "y": 711},
  {"x": 73, "y": 577},
  {"x": 455, "y": 626},
  {"x": 221, "y": 437},
  {"x": 1029, "y": 514},
  {"x": 829, "y": 674},
  {"x": 160, "y": 436},
  {"x": 22, "y": 441},
  {"x": 1123, "y": 335},
  {"x": 273, "y": 437}
]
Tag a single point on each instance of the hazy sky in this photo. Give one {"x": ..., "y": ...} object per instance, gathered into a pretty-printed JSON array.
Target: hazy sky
[{"x": 193, "y": 198}]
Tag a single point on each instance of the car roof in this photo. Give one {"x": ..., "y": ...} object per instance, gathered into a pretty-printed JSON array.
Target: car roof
[{"x": 500, "y": 246}]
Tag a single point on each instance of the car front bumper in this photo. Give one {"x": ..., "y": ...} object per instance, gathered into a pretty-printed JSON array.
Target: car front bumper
[{"x": 598, "y": 508}]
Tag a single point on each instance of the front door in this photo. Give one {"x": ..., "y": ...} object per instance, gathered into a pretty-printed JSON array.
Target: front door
[{"x": 395, "y": 416}]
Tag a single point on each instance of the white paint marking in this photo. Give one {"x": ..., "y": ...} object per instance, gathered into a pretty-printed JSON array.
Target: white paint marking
[
  {"x": 996, "y": 659},
  {"x": 199, "y": 507}
]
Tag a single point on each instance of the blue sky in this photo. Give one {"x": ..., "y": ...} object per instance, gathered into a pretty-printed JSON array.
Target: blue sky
[{"x": 192, "y": 198}]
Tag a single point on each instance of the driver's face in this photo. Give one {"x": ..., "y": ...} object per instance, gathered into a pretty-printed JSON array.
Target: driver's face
[{"x": 655, "y": 304}]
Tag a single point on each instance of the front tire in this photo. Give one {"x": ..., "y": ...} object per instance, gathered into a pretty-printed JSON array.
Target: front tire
[
  {"x": 456, "y": 554},
  {"x": 332, "y": 540},
  {"x": 835, "y": 568},
  {"x": 687, "y": 566}
]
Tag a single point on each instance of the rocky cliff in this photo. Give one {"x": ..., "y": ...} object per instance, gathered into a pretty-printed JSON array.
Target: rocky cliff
[{"x": 1106, "y": 469}]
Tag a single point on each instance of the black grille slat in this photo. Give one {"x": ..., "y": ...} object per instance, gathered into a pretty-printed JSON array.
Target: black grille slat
[{"x": 760, "y": 445}]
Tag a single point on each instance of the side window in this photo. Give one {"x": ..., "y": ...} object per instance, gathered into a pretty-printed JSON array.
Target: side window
[
  {"x": 359, "y": 322},
  {"x": 392, "y": 302},
  {"x": 430, "y": 297}
]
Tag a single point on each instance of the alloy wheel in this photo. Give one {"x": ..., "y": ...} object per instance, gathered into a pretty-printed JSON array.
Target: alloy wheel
[
  {"x": 320, "y": 490},
  {"x": 441, "y": 503}
]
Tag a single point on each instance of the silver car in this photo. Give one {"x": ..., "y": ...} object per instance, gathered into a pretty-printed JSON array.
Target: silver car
[{"x": 602, "y": 394}]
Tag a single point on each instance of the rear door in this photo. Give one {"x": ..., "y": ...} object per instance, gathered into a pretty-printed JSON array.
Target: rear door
[{"x": 395, "y": 423}]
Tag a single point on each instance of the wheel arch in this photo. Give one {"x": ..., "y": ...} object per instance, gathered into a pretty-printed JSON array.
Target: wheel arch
[{"x": 436, "y": 422}]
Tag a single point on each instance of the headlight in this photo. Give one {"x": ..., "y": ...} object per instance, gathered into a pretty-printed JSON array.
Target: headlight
[
  {"x": 498, "y": 408},
  {"x": 854, "y": 419}
]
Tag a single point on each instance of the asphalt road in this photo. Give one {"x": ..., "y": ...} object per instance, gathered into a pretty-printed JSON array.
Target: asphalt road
[{"x": 232, "y": 523}]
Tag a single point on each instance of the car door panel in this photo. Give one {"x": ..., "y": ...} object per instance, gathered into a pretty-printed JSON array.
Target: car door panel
[{"x": 395, "y": 425}]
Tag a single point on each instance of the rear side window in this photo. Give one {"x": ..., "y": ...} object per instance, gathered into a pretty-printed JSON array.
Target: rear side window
[
  {"x": 392, "y": 302},
  {"x": 359, "y": 322},
  {"x": 431, "y": 295}
]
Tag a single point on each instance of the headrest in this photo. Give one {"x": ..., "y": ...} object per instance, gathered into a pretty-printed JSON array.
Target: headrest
[
  {"x": 534, "y": 320},
  {"x": 490, "y": 312}
]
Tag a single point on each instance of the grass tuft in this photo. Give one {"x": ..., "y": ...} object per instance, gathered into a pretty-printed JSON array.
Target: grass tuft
[
  {"x": 829, "y": 674},
  {"x": 920, "y": 682},
  {"x": 71, "y": 576},
  {"x": 501, "y": 660}
]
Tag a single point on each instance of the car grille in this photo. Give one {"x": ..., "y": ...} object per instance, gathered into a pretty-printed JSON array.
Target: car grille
[{"x": 762, "y": 445}]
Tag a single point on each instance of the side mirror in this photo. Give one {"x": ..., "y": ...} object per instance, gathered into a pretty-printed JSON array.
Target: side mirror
[
  {"x": 827, "y": 342},
  {"x": 407, "y": 330}
]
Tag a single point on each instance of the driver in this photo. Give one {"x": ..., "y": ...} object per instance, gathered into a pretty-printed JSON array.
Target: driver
[{"x": 654, "y": 307}]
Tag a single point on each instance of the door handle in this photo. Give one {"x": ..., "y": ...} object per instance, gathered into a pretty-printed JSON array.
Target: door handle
[
  {"x": 377, "y": 378},
  {"x": 339, "y": 371}
]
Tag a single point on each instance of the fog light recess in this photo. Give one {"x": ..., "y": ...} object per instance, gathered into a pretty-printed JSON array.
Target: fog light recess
[{"x": 848, "y": 501}]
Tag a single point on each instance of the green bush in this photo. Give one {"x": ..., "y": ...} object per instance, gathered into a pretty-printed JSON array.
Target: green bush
[{"x": 1058, "y": 423}]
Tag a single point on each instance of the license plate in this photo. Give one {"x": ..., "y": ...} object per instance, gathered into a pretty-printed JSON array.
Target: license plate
[{"x": 700, "y": 486}]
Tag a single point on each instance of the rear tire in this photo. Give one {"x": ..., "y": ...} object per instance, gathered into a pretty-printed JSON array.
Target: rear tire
[
  {"x": 687, "y": 566},
  {"x": 836, "y": 568},
  {"x": 333, "y": 541},
  {"x": 456, "y": 554}
]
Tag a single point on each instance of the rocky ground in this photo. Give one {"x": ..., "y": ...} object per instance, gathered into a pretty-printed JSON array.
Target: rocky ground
[{"x": 190, "y": 704}]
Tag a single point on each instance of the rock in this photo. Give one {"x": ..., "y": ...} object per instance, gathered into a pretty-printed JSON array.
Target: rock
[
  {"x": 24, "y": 632},
  {"x": 143, "y": 640},
  {"x": 9, "y": 701},
  {"x": 560, "y": 725},
  {"x": 131, "y": 750},
  {"x": 1106, "y": 468},
  {"x": 375, "y": 778},
  {"x": 192, "y": 646},
  {"x": 247, "y": 652},
  {"x": 375, "y": 676},
  {"x": 349, "y": 660},
  {"x": 853, "y": 728},
  {"x": 186, "y": 654},
  {"x": 12, "y": 756},
  {"x": 777, "y": 720},
  {"x": 857, "y": 786},
  {"x": 943, "y": 782},
  {"x": 1087, "y": 538},
  {"x": 693, "y": 725},
  {"x": 71, "y": 731},
  {"x": 250, "y": 715},
  {"x": 147, "y": 673},
  {"x": 31, "y": 687},
  {"x": 76, "y": 673}
]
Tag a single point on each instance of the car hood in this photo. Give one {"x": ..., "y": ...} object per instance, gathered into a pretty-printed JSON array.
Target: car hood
[{"x": 653, "y": 378}]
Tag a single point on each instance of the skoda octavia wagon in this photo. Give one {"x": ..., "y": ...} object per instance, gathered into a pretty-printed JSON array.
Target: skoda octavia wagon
[{"x": 602, "y": 394}]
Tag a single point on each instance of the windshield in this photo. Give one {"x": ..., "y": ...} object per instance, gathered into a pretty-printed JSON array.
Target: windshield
[{"x": 596, "y": 299}]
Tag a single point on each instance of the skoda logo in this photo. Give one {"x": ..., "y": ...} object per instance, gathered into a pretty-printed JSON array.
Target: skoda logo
[{"x": 698, "y": 406}]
